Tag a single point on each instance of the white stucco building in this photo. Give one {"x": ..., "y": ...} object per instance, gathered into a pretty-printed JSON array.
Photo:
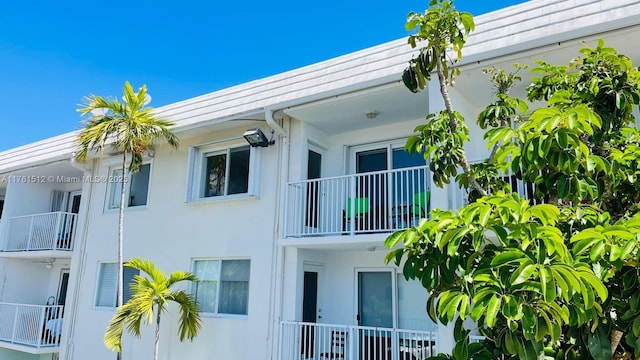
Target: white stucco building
[{"x": 287, "y": 240}]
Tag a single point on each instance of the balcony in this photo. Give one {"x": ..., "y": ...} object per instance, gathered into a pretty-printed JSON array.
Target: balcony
[
  {"x": 524, "y": 189},
  {"x": 374, "y": 202},
  {"x": 50, "y": 231},
  {"x": 322, "y": 341},
  {"x": 34, "y": 329}
]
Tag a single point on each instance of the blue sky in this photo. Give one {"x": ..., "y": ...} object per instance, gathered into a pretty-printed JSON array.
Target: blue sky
[{"x": 52, "y": 53}]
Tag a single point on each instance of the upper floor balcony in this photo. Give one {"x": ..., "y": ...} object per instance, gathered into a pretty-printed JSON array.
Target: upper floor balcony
[
  {"x": 364, "y": 203},
  {"x": 524, "y": 189},
  {"x": 52, "y": 231}
]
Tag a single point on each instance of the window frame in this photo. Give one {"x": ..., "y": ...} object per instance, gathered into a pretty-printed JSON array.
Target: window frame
[
  {"x": 218, "y": 314},
  {"x": 98, "y": 287},
  {"x": 111, "y": 185},
  {"x": 198, "y": 155}
]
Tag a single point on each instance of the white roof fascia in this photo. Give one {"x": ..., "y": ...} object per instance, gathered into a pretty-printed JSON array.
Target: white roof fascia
[{"x": 43, "y": 152}]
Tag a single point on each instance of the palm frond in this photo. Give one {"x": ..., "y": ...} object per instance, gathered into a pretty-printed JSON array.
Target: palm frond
[
  {"x": 149, "y": 291},
  {"x": 148, "y": 268},
  {"x": 178, "y": 276},
  {"x": 127, "y": 126},
  {"x": 113, "y": 336},
  {"x": 190, "y": 322}
]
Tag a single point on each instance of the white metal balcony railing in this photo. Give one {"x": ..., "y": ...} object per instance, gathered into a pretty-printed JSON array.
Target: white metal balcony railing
[
  {"x": 49, "y": 231},
  {"x": 382, "y": 201},
  {"x": 322, "y": 341},
  {"x": 31, "y": 325},
  {"x": 525, "y": 190}
]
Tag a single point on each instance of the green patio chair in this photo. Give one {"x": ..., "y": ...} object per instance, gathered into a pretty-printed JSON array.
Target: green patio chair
[
  {"x": 420, "y": 205},
  {"x": 356, "y": 209}
]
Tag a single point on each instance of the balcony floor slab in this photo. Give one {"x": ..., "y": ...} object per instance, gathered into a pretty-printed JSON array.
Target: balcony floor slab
[
  {"x": 29, "y": 349},
  {"x": 36, "y": 254}
]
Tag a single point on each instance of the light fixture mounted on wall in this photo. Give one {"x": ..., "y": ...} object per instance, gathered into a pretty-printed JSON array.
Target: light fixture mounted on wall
[
  {"x": 48, "y": 263},
  {"x": 256, "y": 138},
  {"x": 372, "y": 114}
]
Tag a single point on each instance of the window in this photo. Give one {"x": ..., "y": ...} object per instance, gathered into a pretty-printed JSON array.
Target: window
[
  {"x": 222, "y": 286},
  {"x": 108, "y": 284},
  {"x": 221, "y": 172},
  {"x": 137, "y": 187},
  {"x": 226, "y": 172}
]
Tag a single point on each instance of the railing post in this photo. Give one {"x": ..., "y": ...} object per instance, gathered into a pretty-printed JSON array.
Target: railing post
[
  {"x": 56, "y": 231},
  {"x": 390, "y": 202},
  {"x": 30, "y": 234},
  {"x": 352, "y": 197},
  {"x": 286, "y": 221},
  {"x": 395, "y": 349},
  {"x": 15, "y": 324},
  {"x": 352, "y": 346},
  {"x": 4, "y": 233},
  {"x": 280, "y": 339},
  {"x": 41, "y": 326},
  {"x": 72, "y": 229}
]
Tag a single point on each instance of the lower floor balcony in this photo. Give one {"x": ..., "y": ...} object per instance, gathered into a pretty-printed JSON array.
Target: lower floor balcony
[
  {"x": 34, "y": 329},
  {"x": 300, "y": 340}
]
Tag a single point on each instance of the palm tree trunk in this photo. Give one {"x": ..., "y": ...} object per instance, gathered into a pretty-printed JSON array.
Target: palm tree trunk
[
  {"x": 453, "y": 123},
  {"x": 121, "y": 237},
  {"x": 157, "y": 341}
]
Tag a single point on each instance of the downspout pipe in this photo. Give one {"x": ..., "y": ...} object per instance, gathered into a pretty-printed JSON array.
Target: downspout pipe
[
  {"x": 275, "y": 301},
  {"x": 268, "y": 114},
  {"x": 76, "y": 165}
]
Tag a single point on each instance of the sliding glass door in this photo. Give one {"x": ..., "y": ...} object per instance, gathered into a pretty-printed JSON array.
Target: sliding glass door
[{"x": 394, "y": 183}]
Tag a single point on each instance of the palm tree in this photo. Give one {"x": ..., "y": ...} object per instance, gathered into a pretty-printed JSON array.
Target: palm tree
[
  {"x": 129, "y": 127},
  {"x": 149, "y": 292}
]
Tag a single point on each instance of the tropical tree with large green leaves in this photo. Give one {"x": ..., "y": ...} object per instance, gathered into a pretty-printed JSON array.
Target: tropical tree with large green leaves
[
  {"x": 129, "y": 127},
  {"x": 442, "y": 28},
  {"x": 555, "y": 275},
  {"x": 151, "y": 295}
]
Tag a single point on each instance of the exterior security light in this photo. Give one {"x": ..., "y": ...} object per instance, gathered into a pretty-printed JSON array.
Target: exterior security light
[{"x": 255, "y": 137}]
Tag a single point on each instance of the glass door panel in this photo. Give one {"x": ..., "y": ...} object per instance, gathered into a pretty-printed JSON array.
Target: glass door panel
[
  {"x": 372, "y": 187},
  {"x": 314, "y": 166},
  {"x": 410, "y": 193},
  {"x": 375, "y": 299}
]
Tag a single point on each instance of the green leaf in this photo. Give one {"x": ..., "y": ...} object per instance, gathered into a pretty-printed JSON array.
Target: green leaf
[
  {"x": 596, "y": 284},
  {"x": 511, "y": 342},
  {"x": 636, "y": 326},
  {"x": 522, "y": 274},
  {"x": 508, "y": 257},
  {"x": 563, "y": 186},
  {"x": 431, "y": 308},
  {"x": 561, "y": 138},
  {"x": 529, "y": 320},
  {"x": 510, "y": 308},
  {"x": 501, "y": 233},
  {"x": 493, "y": 308},
  {"x": 599, "y": 345},
  {"x": 453, "y": 305},
  {"x": 461, "y": 349},
  {"x": 588, "y": 296},
  {"x": 597, "y": 251},
  {"x": 547, "y": 284},
  {"x": 395, "y": 256}
]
